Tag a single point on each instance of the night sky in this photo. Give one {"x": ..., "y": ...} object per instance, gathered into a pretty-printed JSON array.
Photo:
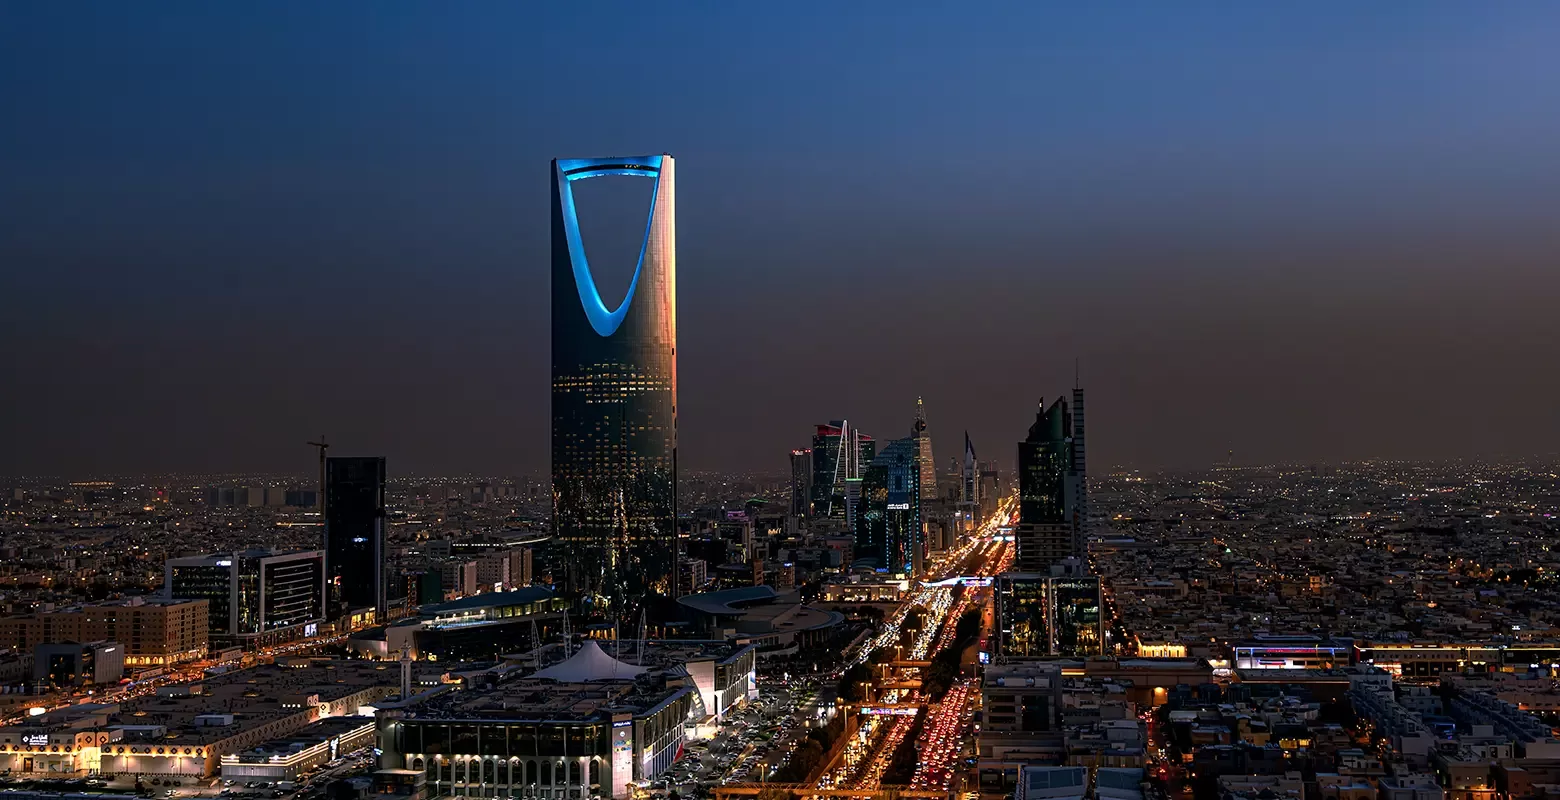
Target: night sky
[{"x": 1317, "y": 233}]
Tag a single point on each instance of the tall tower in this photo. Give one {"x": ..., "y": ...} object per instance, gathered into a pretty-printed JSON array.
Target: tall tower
[
  {"x": 926, "y": 465},
  {"x": 840, "y": 453},
  {"x": 355, "y": 534},
  {"x": 1046, "y": 533},
  {"x": 801, "y": 482},
  {"x": 1078, "y": 488},
  {"x": 889, "y": 525},
  {"x": 614, "y": 404}
]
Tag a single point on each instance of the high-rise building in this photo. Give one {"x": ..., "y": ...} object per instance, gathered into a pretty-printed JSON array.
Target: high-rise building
[
  {"x": 355, "y": 533},
  {"x": 1077, "y": 623},
  {"x": 801, "y": 482},
  {"x": 969, "y": 473},
  {"x": 840, "y": 453},
  {"x": 614, "y": 405},
  {"x": 1041, "y": 616},
  {"x": 888, "y": 526},
  {"x": 990, "y": 489},
  {"x": 1047, "y": 529},
  {"x": 927, "y": 466},
  {"x": 1077, "y": 480},
  {"x": 255, "y": 596},
  {"x": 1022, "y": 615}
]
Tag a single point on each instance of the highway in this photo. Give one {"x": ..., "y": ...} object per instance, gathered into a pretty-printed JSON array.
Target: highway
[{"x": 946, "y": 728}]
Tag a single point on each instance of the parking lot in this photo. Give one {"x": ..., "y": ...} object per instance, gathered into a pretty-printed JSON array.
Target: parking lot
[{"x": 753, "y": 741}]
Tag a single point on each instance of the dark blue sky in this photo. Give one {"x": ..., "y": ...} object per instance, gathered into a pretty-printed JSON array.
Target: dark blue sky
[{"x": 1313, "y": 233}]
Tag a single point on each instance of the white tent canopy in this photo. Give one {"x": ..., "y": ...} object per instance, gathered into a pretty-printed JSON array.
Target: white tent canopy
[{"x": 591, "y": 663}]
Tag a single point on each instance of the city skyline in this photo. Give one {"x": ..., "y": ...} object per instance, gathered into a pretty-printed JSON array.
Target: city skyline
[
  {"x": 1231, "y": 220},
  {"x": 663, "y": 523}
]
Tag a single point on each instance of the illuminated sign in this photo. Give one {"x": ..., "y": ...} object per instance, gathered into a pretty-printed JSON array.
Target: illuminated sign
[
  {"x": 622, "y": 756},
  {"x": 36, "y": 740},
  {"x": 890, "y": 711},
  {"x": 898, "y": 506}
]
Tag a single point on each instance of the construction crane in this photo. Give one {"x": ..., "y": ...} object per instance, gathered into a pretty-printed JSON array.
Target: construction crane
[{"x": 322, "y": 446}]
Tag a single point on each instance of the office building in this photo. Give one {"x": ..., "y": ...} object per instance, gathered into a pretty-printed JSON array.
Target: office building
[
  {"x": 927, "y": 467},
  {"x": 1077, "y": 625},
  {"x": 889, "y": 530},
  {"x": 1022, "y": 626},
  {"x": 1077, "y": 479},
  {"x": 801, "y": 483},
  {"x": 1044, "y": 616},
  {"x": 68, "y": 664},
  {"x": 990, "y": 489},
  {"x": 969, "y": 476},
  {"x": 614, "y": 405},
  {"x": 355, "y": 534},
  {"x": 1022, "y": 723},
  {"x": 482, "y": 627},
  {"x": 1049, "y": 528},
  {"x": 840, "y": 453},
  {"x": 254, "y": 597},
  {"x": 154, "y": 632}
]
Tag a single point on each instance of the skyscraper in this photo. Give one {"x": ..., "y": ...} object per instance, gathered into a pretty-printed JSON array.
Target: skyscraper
[
  {"x": 1047, "y": 532},
  {"x": 928, "y": 467},
  {"x": 970, "y": 472},
  {"x": 801, "y": 482},
  {"x": 355, "y": 533},
  {"x": 1078, "y": 481},
  {"x": 614, "y": 404},
  {"x": 839, "y": 454},
  {"x": 888, "y": 524}
]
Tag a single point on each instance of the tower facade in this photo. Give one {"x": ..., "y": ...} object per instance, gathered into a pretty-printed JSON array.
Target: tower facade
[
  {"x": 355, "y": 533},
  {"x": 801, "y": 483},
  {"x": 614, "y": 404},
  {"x": 1078, "y": 479},
  {"x": 1047, "y": 529},
  {"x": 927, "y": 466},
  {"x": 839, "y": 455},
  {"x": 889, "y": 523}
]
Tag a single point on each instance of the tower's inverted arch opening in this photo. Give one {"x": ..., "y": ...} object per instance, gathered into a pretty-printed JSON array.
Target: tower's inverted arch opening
[{"x": 612, "y": 211}]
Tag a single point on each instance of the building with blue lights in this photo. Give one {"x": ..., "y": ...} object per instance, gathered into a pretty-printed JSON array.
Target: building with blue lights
[
  {"x": 840, "y": 453},
  {"x": 889, "y": 527},
  {"x": 614, "y": 405}
]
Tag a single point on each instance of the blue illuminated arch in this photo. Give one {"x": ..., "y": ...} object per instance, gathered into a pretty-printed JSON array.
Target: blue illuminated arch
[{"x": 604, "y": 322}]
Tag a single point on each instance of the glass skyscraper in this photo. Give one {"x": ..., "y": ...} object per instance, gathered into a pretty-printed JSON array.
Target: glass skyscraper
[
  {"x": 928, "y": 467},
  {"x": 839, "y": 455},
  {"x": 888, "y": 521},
  {"x": 614, "y": 405},
  {"x": 1047, "y": 531},
  {"x": 801, "y": 482},
  {"x": 253, "y": 595},
  {"x": 355, "y": 533}
]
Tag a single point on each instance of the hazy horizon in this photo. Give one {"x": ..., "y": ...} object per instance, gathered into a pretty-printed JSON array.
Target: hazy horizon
[{"x": 1307, "y": 235}]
